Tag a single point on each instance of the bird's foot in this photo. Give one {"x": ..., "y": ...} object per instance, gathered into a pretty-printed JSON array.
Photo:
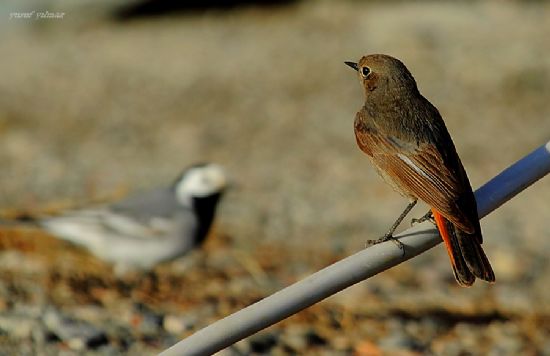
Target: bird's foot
[
  {"x": 385, "y": 238},
  {"x": 427, "y": 217}
]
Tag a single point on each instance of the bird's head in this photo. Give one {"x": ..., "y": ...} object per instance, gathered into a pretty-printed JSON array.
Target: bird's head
[
  {"x": 200, "y": 181},
  {"x": 380, "y": 73}
]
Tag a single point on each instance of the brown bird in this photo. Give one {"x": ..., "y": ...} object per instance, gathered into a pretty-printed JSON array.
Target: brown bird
[{"x": 407, "y": 141}]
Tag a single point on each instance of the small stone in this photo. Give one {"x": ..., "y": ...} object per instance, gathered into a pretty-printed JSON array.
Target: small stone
[
  {"x": 242, "y": 347},
  {"x": 78, "y": 334},
  {"x": 367, "y": 348},
  {"x": 341, "y": 343},
  {"x": 17, "y": 326},
  {"x": 314, "y": 339},
  {"x": 39, "y": 335},
  {"x": 295, "y": 341},
  {"x": 398, "y": 341},
  {"x": 262, "y": 342},
  {"x": 174, "y": 324},
  {"x": 507, "y": 266},
  {"x": 507, "y": 338},
  {"x": 147, "y": 321}
]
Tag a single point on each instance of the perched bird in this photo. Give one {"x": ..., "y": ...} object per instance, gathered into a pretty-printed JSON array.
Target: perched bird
[
  {"x": 144, "y": 230},
  {"x": 405, "y": 138}
]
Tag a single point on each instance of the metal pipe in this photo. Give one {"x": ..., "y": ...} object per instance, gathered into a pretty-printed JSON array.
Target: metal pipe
[{"x": 357, "y": 267}]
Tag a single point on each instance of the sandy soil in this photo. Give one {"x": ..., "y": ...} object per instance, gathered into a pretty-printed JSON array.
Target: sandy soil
[{"x": 91, "y": 107}]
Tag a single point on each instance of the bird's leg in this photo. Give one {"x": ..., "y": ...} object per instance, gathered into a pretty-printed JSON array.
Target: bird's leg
[
  {"x": 389, "y": 234},
  {"x": 427, "y": 217}
]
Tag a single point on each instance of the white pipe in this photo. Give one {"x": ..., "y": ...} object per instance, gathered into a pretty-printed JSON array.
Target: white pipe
[{"x": 357, "y": 267}]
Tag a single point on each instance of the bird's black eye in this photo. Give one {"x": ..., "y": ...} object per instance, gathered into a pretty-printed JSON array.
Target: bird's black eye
[{"x": 365, "y": 71}]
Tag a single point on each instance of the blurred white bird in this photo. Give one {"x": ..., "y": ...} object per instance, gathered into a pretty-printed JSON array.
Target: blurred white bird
[{"x": 146, "y": 229}]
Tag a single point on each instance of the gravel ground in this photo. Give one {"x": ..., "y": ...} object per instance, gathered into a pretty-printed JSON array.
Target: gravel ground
[{"x": 92, "y": 108}]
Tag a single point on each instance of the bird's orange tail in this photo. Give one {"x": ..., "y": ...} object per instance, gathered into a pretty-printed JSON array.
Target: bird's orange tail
[{"x": 467, "y": 257}]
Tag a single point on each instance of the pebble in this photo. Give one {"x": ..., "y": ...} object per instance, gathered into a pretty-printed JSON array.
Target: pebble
[
  {"x": 294, "y": 339},
  {"x": 241, "y": 347},
  {"x": 398, "y": 339},
  {"x": 77, "y": 334},
  {"x": 341, "y": 343},
  {"x": 175, "y": 324},
  {"x": 507, "y": 266},
  {"x": 263, "y": 342},
  {"x": 18, "y": 326}
]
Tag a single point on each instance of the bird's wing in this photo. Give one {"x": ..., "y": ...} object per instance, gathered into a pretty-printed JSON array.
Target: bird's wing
[
  {"x": 123, "y": 224},
  {"x": 420, "y": 170},
  {"x": 99, "y": 227},
  {"x": 146, "y": 205},
  {"x": 121, "y": 239}
]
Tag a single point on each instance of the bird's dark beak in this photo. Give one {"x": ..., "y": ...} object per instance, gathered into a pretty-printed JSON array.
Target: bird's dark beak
[{"x": 353, "y": 65}]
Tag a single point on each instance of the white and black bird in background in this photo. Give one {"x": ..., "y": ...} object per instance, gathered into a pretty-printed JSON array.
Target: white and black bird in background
[{"x": 146, "y": 229}]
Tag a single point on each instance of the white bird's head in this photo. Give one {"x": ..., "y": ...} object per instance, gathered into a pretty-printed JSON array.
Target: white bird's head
[{"x": 200, "y": 181}]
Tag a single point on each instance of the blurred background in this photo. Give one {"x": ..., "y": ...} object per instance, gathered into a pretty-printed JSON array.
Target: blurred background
[{"x": 113, "y": 97}]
